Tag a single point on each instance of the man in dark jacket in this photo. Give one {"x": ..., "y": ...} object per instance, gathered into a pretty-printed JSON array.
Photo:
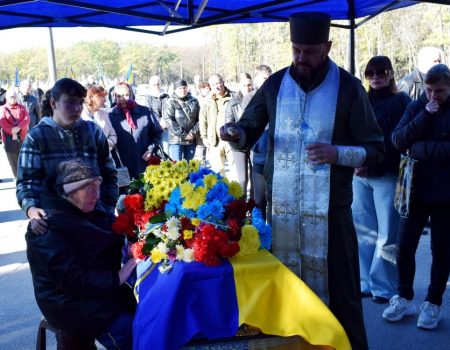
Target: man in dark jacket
[
  {"x": 413, "y": 83},
  {"x": 30, "y": 102},
  {"x": 155, "y": 102},
  {"x": 180, "y": 115},
  {"x": 424, "y": 130},
  {"x": 78, "y": 282},
  {"x": 321, "y": 126}
]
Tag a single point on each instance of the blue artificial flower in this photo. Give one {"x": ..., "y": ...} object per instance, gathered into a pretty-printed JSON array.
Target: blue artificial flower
[
  {"x": 173, "y": 206},
  {"x": 220, "y": 193},
  {"x": 188, "y": 213},
  {"x": 264, "y": 230},
  {"x": 193, "y": 177},
  {"x": 211, "y": 211}
]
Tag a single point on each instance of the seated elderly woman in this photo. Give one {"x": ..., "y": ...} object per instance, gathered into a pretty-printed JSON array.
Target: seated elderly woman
[{"x": 78, "y": 281}]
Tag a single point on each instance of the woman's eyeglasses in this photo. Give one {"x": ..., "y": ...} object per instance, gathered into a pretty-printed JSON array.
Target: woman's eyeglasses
[{"x": 378, "y": 72}]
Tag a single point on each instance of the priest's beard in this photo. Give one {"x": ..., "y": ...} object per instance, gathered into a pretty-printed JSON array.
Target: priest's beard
[{"x": 305, "y": 72}]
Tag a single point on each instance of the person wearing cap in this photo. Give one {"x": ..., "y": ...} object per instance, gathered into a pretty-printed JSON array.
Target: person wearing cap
[
  {"x": 79, "y": 284},
  {"x": 321, "y": 127},
  {"x": 137, "y": 130},
  {"x": 211, "y": 119},
  {"x": 180, "y": 114},
  {"x": 30, "y": 102},
  {"x": 62, "y": 136},
  {"x": 14, "y": 122}
]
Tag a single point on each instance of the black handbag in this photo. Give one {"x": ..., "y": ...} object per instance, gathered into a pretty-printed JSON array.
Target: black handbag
[
  {"x": 404, "y": 189},
  {"x": 156, "y": 150}
]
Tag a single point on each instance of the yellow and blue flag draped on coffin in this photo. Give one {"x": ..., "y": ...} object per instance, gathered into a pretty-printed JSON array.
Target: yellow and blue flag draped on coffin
[{"x": 212, "y": 302}]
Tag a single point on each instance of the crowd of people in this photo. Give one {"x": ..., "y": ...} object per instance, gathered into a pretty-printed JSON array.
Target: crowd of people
[{"x": 318, "y": 154}]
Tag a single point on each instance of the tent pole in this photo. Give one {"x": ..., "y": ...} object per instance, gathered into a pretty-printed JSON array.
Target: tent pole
[
  {"x": 51, "y": 58},
  {"x": 351, "y": 56}
]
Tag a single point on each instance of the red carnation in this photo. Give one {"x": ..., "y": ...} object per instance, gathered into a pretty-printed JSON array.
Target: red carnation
[
  {"x": 141, "y": 218},
  {"x": 154, "y": 161},
  {"x": 122, "y": 225},
  {"x": 136, "y": 250},
  {"x": 234, "y": 229},
  {"x": 229, "y": 249},
  {"x": 237, "y": 209},
  {"x": 134, "y": 203}
]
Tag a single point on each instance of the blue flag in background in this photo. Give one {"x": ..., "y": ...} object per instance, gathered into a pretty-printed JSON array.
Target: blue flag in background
[
  {"x": 130, "y": 75},
  {"x": 17, "y": 81}
]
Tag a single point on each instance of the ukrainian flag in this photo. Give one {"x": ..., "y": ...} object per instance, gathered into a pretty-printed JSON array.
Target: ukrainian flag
[{"x": 257, "y": 290}]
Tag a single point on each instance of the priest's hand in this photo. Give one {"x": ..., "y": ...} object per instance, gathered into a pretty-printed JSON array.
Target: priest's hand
[
  {"x": 230, "y": 132},
  {"x": 321, "y": 153}
]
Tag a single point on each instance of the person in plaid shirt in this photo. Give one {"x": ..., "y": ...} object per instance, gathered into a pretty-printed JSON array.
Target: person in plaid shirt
[{"x": 59, "y": 138}]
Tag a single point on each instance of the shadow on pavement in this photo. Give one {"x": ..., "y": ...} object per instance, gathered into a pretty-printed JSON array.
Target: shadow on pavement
[{"x": 12, "y": 215}]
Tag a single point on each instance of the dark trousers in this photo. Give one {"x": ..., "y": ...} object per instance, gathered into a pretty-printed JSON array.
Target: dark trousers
[
  {"x": 12, "y": 149},
  {"x": 410, "y": 230},
  {"x": 343, "y": 276},
  {"x": 259, "y": 187}
]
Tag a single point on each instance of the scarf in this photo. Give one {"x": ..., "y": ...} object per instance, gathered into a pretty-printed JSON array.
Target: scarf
[{"x": 127, "y": 111}]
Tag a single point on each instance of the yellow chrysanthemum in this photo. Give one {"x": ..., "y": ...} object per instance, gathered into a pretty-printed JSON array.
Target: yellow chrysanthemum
[
  {"x": 235, "y": 189},
  {"x": 249, "y": 242},
  {"x": 209, "y": 180},
  {"x": 195, "y": 221},
  {"x": 194, "y": 201},
  {"x": 202, "y": 190},
  {"x": 188, "y": 234},
  {"x": 166, "y": 164},
  {"x": 157, "y": 255},
  {"x": 186, "y": 189}
]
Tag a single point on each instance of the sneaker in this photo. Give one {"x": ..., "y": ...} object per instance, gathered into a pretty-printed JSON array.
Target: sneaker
[
  {"x": 398, "y": 308},
  {"x": 430, "y": 315}
]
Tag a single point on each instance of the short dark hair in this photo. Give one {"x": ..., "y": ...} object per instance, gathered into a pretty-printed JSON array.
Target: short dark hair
[
  {"x": 68, "y": 86},
  {"x": 438, "y": 73},
  {"x": 263, "y": 68}
]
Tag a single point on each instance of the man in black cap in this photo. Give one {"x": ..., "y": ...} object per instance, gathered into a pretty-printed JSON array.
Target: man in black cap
[
  {"x": 180, "y": 115},
  {"x": 321, "y": 127}
]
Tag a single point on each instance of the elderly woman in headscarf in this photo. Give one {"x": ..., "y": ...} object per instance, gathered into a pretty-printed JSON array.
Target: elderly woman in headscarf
[
  {"x": 78, "y": 281},
  {"x": 14, "y": 122},
  {"x": 137, "y": 130}
]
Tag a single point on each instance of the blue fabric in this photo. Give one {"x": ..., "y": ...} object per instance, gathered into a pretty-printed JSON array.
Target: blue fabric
[
  {"x": 376, "y": 223},
  {"x": 153, "y": 13},
  {"x": 169, "y": 314},
  {"x": 118, "y": 335}
]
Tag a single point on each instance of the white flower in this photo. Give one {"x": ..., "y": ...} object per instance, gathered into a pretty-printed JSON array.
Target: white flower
[
  {"x": 173, "y": 233},
  {"x": 162, "y": 247},
  {"x": 173, "y": 223},
  {"x": 188, "y": 255}
]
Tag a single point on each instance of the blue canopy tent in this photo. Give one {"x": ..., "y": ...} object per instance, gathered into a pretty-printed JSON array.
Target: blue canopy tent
[{"x": 189, "y": 14}]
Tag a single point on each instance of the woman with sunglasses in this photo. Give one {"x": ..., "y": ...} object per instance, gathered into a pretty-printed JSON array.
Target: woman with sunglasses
[{"x": 374, "y": 215}]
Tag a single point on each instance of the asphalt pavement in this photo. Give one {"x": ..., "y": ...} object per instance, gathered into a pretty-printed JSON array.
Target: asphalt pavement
[{"x": 20, "y": 316}]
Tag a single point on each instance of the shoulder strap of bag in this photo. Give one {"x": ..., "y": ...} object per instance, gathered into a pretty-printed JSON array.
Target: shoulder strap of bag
[
  {"x": 10, "y": 113},
  {"x": 118, "y": 156}
]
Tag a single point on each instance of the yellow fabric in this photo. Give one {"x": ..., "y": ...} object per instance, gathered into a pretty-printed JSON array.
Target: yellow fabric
[{"x": 273, "y": 299}]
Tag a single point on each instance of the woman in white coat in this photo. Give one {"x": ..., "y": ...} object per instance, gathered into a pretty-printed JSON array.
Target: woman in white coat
[{"x": 94, "y": 111}]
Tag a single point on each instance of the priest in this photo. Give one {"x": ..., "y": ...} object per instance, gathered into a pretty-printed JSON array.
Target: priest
[{"x": 321, "y": 127}]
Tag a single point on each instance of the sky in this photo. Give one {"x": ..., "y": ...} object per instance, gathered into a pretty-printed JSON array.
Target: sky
[{"x": 21, "y": 38}]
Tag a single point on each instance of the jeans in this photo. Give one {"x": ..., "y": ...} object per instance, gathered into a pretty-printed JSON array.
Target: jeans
[
  {"x": 180, "y": 152},
  {"x": 410, "y": 230},
  {"x": 165, "y": 140},
  {"x": 119, "y": 334},
  {"x": 376, "y": 223}
]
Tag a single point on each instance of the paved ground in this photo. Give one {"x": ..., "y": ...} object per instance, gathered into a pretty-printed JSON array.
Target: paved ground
[{"x": 19, "y": 315}]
